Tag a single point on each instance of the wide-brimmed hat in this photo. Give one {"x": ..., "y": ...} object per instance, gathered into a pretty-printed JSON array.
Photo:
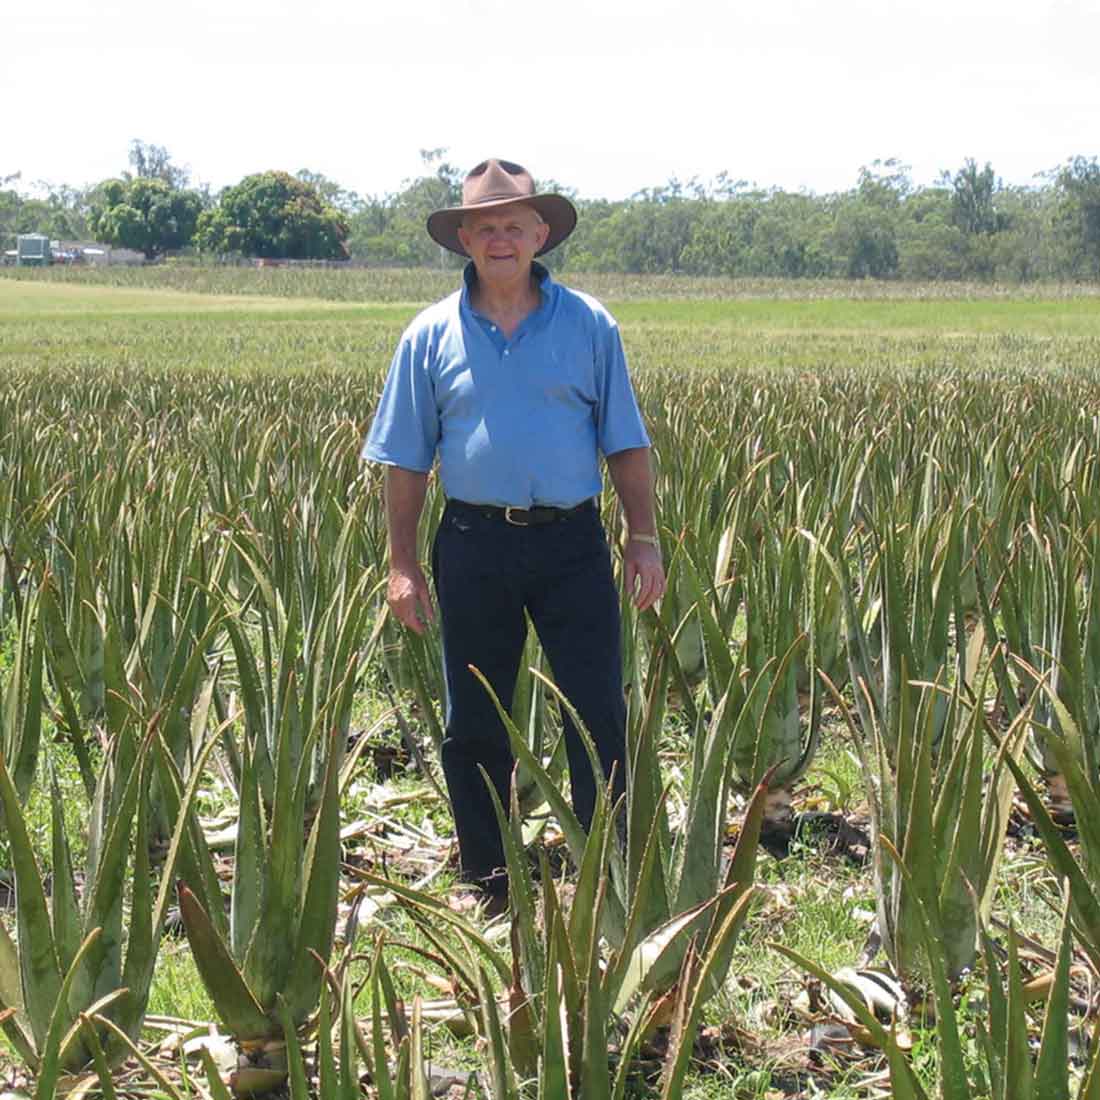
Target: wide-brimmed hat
[{"x": 498, "y": 183}]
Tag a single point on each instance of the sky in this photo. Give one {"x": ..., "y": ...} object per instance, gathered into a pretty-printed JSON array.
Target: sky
[{"x": 603, "y": 96}]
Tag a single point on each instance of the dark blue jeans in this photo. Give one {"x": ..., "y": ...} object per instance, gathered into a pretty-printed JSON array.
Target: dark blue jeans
[{"x": 487, "y": 574}]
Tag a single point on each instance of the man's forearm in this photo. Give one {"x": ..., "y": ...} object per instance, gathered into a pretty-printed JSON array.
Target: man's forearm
[
  {"x": 405, "y": 491},
  {"x": 632, "y": 476}
]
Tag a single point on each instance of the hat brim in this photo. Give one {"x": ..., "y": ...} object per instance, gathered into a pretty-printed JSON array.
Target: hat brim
[{"x": 556, "y": 210}]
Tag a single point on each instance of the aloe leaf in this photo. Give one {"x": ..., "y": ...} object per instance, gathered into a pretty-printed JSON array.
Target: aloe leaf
[
  {"x": 326, "y": 1059},
  {"x": 417, "y": 1074},
  {"x": 645, "y": 914},
  {"x": 383, "y": 1083},
  {"x": 1090, "y": 1086},
  {"x": 349, "y": 1035},
  {"x": 103, "y": 906},
  {"x": 321, "y": 872},
  {"x": 953, "y": 1080},
  {"x": 739, "y": 879},
  {"x": 124, "y": 1040},
  {"x": 60, "y": 1019},
  {"x": 659, "y": 957},
  {"x": 1068, "y": 750},
  {"x": 553, "y": 1082},
  {"x": 39, "y": 968},
  {"x": 297, "y": 1082},
  {"x": 643, "y": 1024},
  {"x": 1085, "y": 903},
  {"x": 1051, "y": 1079},
  {"x": 703, "y": 830},
  {"x": 99, "y": 1059},
  {"x": 64, "y": 908},
  {"x": 248, "y": 865},
  {"x": 699, "y": 977},
  {"x": 267, "y": 962},
  {"x": 571, "y": 827},
  {"x": 524, "y": 933},
  {"x": 1018, "y": 1069},
  {"x": 23, "y": 705},
  {"x": 993, "y": 1034},
  {"x": 218, "y": 1088},
  {"x": 647, "y": 822},
  {"x": 235, "y": 1002},
  {"x": 21, "y": 1042},
  {"x": 903, "y": 1081},
  {"x": 10, "y": 991},
  {"x": 500, "y": 1073},
  {"x": 196, "y": 863},
  {"x": 592, "y": 878},
  {"x": 441, "y": 912},
  {"x": 141, "y": 941},
  {"x": 594, "y": 1072}
]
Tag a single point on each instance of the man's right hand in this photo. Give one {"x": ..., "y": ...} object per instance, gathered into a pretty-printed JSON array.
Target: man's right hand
[{"x": 409, "y": 598}]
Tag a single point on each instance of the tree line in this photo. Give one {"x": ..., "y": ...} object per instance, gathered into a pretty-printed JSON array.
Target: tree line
[{"x": 968, "y": 225}]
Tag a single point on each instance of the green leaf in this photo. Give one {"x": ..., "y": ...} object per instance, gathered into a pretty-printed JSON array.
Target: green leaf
[
  {"x": 903, "y": 1081},
  {"x": 554, "y": 1061},
  {"x": 60, "y": 1019},
  {"x": 218, "y": 1089},
  {"x": 1051, "y": 1076},
  {"x": 321, "y": 874},
  {"x": 64, "y": 908},
  {"x": 39, "y": 968},
  {"x": 1018, "y": 1072},
  {"x": 234, "y": 1001},
  {"x": 248, "y": 857}
]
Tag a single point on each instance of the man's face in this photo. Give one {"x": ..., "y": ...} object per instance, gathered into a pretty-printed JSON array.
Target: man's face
[{"x": 503, "y": 241}]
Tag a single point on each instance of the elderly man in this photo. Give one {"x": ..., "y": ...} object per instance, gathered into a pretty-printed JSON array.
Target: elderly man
[{"x": 517, "y": 385}]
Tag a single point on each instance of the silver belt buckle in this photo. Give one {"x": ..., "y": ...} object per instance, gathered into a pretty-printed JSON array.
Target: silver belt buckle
[{"x": 515, "y": 522}]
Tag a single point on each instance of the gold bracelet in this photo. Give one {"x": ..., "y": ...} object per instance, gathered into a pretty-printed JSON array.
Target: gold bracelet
[{"x": 650, "y": 540}]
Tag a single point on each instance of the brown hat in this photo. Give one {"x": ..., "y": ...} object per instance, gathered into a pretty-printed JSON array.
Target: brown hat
[{"x": 498, "y": 183}]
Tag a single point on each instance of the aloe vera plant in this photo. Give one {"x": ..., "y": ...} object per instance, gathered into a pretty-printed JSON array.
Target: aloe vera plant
[
  {"x": 78, "y": 956},
  {"x": 1048, "y": 601},
  {"x": 283, "y": 902},
  {"x": 22, "y": 705},
  {"x": 1011, "y": 1065}
]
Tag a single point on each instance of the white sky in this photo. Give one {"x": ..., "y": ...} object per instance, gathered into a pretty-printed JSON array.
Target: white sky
[{"x": 606, "y": 96}]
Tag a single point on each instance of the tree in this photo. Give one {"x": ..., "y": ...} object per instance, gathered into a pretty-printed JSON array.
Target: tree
[
  {"x": 144, "y": 214},
  {"x": 331, "y": 192},
  {"x": 1079, "y": 215},
  {"x": 153, "y": 162},
  {"x": 973, "y": 198},
  {"x": 273, "y": 215}
]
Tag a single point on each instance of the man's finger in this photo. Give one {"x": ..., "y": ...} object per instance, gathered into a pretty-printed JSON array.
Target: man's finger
[
  {"x": 426, "y": 605},
  {"x": 630, "y": 578}
]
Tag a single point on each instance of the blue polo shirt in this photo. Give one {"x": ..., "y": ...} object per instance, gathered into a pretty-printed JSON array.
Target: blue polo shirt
[{"x": 519, "y": 421}]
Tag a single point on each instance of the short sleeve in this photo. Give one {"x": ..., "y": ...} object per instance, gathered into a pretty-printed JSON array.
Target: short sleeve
[
  {"x": 405, "y": 430},
  {"x": 619, "y": 425}
]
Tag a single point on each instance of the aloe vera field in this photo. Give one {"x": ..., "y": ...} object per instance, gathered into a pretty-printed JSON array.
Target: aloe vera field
[{"x": 859, "y": 854}]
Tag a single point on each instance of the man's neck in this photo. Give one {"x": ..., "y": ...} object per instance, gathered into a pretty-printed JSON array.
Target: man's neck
[{"x": 506, "y": 303}]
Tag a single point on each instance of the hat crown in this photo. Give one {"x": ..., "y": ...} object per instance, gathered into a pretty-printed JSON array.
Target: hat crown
[{"x": 496, "y": 181}]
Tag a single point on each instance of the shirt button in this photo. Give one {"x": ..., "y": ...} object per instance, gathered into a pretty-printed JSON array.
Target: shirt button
[
  {"x": 492, "y": 328},
  {"x": 505, "y": 351}
]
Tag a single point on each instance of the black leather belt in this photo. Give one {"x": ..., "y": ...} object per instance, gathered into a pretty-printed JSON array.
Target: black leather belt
[{"x": 537, "y": 516}]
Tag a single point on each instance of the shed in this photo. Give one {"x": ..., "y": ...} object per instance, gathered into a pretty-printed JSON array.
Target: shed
[{"x": 32, "y": 249}]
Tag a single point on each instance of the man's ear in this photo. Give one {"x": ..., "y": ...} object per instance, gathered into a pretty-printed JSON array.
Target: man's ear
[
  {"x": 542, "y": 234},
  {"x": 464, "y": 238}
]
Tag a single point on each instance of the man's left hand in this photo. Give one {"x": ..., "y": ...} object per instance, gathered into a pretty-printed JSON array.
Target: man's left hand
[{"x": 644, "y": 573}]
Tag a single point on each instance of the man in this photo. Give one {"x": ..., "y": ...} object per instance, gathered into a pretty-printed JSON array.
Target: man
[{"x": 517, "y": 385}]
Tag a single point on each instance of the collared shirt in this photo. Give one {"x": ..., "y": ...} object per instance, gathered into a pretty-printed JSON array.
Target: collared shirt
[{"x": 514, "y": 421}]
